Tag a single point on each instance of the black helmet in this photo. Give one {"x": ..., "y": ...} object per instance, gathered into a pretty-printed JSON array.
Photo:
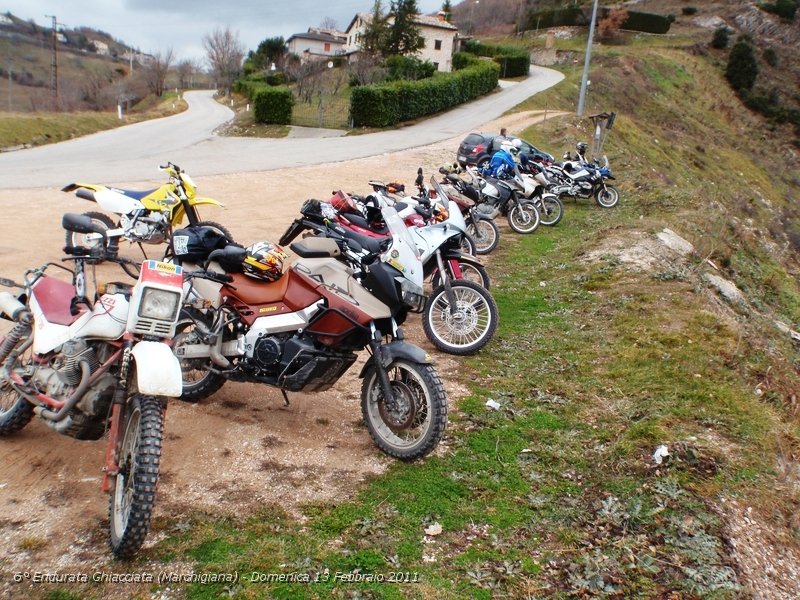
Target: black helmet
[{"x": 194, "y": 244}]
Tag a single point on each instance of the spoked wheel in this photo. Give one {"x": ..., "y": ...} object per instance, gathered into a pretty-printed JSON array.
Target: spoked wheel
[
  {"x": 92, "y": 240},
  {"x": 15, "y": 411},
  {"x": 410, "y": 424},
  {"x": 467, "y": 245},
  {"x": 468, "y": 327},
  {"x": 551, "y": 209},
  {"x": 199, "y": 382},
  {"x": 523, "y": 217},
  {"x": 133, "y": 492},
  {"x": 607, "y": 196},
  {"x": 485, "y": 233},
  {"x": 471, "y": 270}
]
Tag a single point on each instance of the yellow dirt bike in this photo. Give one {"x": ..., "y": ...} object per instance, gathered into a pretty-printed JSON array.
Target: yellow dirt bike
[{"x": 143, "y": 217}]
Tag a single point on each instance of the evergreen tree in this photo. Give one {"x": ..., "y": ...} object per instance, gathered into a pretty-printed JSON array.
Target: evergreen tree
[
  {"x": 720, "y": 39},
  {"x": 447, "y": 9},
  {"x": 375, "y": 39},
  {"x": 404, "y": 36},
  {"x": 742, "y": 69}
]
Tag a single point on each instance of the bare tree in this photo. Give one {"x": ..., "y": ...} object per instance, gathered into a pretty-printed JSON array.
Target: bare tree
[
  {"x": 328, "y": 23},
  {"x": 155, "y": 71},
  {"x": 225, "y": 53},
  {"x": 186, "y": 70}
]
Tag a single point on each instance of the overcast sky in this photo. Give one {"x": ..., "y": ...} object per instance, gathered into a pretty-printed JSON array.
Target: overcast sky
[{"x": 157, "y": 25}]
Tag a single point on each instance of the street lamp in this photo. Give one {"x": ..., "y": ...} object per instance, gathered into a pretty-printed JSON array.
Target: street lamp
[{"x": 585, "y": 78}]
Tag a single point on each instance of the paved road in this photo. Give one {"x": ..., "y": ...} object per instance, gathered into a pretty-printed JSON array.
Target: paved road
[{"x": 132, "y": 153}]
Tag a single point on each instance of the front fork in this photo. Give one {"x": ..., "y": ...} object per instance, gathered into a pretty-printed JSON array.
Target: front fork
[
  {"x": 448, "y": 290},
  {"x": 116, "y": 429},
  {"x": 380, "y": 370}
]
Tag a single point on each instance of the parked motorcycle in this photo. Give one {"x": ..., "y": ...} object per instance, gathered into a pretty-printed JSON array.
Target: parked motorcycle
[
  {"x": 300, "y": 330},
  {"x": 460, "y": 316},
  {"x": 506, "y": 197},
  {"x": 549, "y": 205},
  {"x": 578, "y": 178},
  {"x": 143, "y": 217},
  {"x": 87, "y": 366}
]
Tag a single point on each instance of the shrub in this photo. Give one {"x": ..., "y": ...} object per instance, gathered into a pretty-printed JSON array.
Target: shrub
[
  {"x": 742, "y": 69},
  {"x": 387, "y": 104},
  {"x": 771, "y": 57},
  {"x": 721, "y": 37},
  {"x": 513, "y": 61},
  {"x": 409, "y": 68},
  {"x": 273, "y": 105},
  {"x": 689, "y": 10},
  {"x": 785, "y": 9}
]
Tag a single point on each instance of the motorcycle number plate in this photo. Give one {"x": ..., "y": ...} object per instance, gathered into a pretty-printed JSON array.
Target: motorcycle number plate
[{"x": 163, "y": 273}]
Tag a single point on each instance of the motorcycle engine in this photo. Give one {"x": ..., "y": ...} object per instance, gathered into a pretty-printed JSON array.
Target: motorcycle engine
[
  {"x": 60, "y": 378},
  {"x": 266, "y": 352},
  {"x": 151, "y": 228}
]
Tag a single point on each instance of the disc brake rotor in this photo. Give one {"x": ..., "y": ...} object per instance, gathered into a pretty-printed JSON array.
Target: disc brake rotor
[
  {"x": 400, "y": 411},
  {"x": 463, "y": 319}
]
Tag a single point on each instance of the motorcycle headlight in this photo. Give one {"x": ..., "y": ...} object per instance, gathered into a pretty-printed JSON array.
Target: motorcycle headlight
[{"x": 159, "y": 305}]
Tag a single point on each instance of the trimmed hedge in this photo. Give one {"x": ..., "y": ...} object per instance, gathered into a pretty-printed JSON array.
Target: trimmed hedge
[
  {"x": 273, "y": 105},
  {"x": 513, "y": 61},
  {"x": 636, "y": 21},
  {"x": 387, "y": 104}
]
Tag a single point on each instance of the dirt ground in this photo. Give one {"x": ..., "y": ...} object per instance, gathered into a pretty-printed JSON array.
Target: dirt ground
[{"x": 241, "y": 448}]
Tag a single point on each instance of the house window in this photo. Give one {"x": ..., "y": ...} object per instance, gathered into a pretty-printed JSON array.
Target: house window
[
  {"x": 437, "y": 45},
  {"x": 436, "y": 66},
  {"x": 327, "y": 46}
]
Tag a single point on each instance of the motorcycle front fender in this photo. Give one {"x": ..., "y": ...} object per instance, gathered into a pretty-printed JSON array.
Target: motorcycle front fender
[
  {"x": 158, "y": 372},
  {"x": 397, "y": 349},
  {"x": 206, "y": 201}
]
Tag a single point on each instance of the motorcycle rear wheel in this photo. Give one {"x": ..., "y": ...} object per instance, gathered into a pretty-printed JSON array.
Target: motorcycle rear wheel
[
  {"x": 83, "y": 239},
  {"x": 133, "y": 493},
  {"x": 465, "y": 330},
  {"x": 485, "y": 233},
  {"x": 412, "y": 424},
  {"x": 608, "y": 197},
  {"x": 523, "y": 217},
  {"x": 199, "y": 382}
]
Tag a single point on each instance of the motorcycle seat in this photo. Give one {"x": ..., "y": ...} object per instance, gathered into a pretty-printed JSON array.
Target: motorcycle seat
[
  {"x": 360, "y": 221},
  {"x": 135, "y": 194},
  {"x": 254, "y": 291}
]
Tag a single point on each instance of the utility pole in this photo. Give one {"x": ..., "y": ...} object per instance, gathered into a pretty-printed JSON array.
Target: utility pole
[
  {"x": 585, "y": 78},
  {"x": 9, "y": 87},
  {"x": 54, "y": 76}
]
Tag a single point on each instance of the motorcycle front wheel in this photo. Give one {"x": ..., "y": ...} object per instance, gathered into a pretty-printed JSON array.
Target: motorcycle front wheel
[
  {"x": 199, "y": 382},
  {"x": 485, "y": 233},
  {"x": 523, "y": 217},
  {"x": 607, "y": 196},
  {"x": 133, "y": 492},
  {"x": 412, "y": 423},
  {"x": 551, "y": 209},
  {"x": 470, "y": 324}
]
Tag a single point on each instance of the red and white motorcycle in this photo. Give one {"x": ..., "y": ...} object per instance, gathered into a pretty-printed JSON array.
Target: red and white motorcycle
[{"x": 87, "y": 366}]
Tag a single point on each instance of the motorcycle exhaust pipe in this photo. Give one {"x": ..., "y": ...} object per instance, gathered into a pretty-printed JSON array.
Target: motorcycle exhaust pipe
[{"x": 10, "y": 307}]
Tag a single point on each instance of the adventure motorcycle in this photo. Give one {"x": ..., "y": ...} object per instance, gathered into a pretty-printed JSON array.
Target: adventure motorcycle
[
  {"x": 505, "y": 197},
  {"x": 143, "y": 217},
  {"x": 581, "y": 179},
  {"x": 300, "y": 330},
  {"x": 90, "y": 366},
  {"x": 460, "y": 316}
]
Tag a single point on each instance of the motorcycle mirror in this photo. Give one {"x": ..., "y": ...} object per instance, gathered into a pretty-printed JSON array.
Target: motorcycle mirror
[
  {"x": 420, "y": 178},
  {"x": 82, "y": 224}
]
